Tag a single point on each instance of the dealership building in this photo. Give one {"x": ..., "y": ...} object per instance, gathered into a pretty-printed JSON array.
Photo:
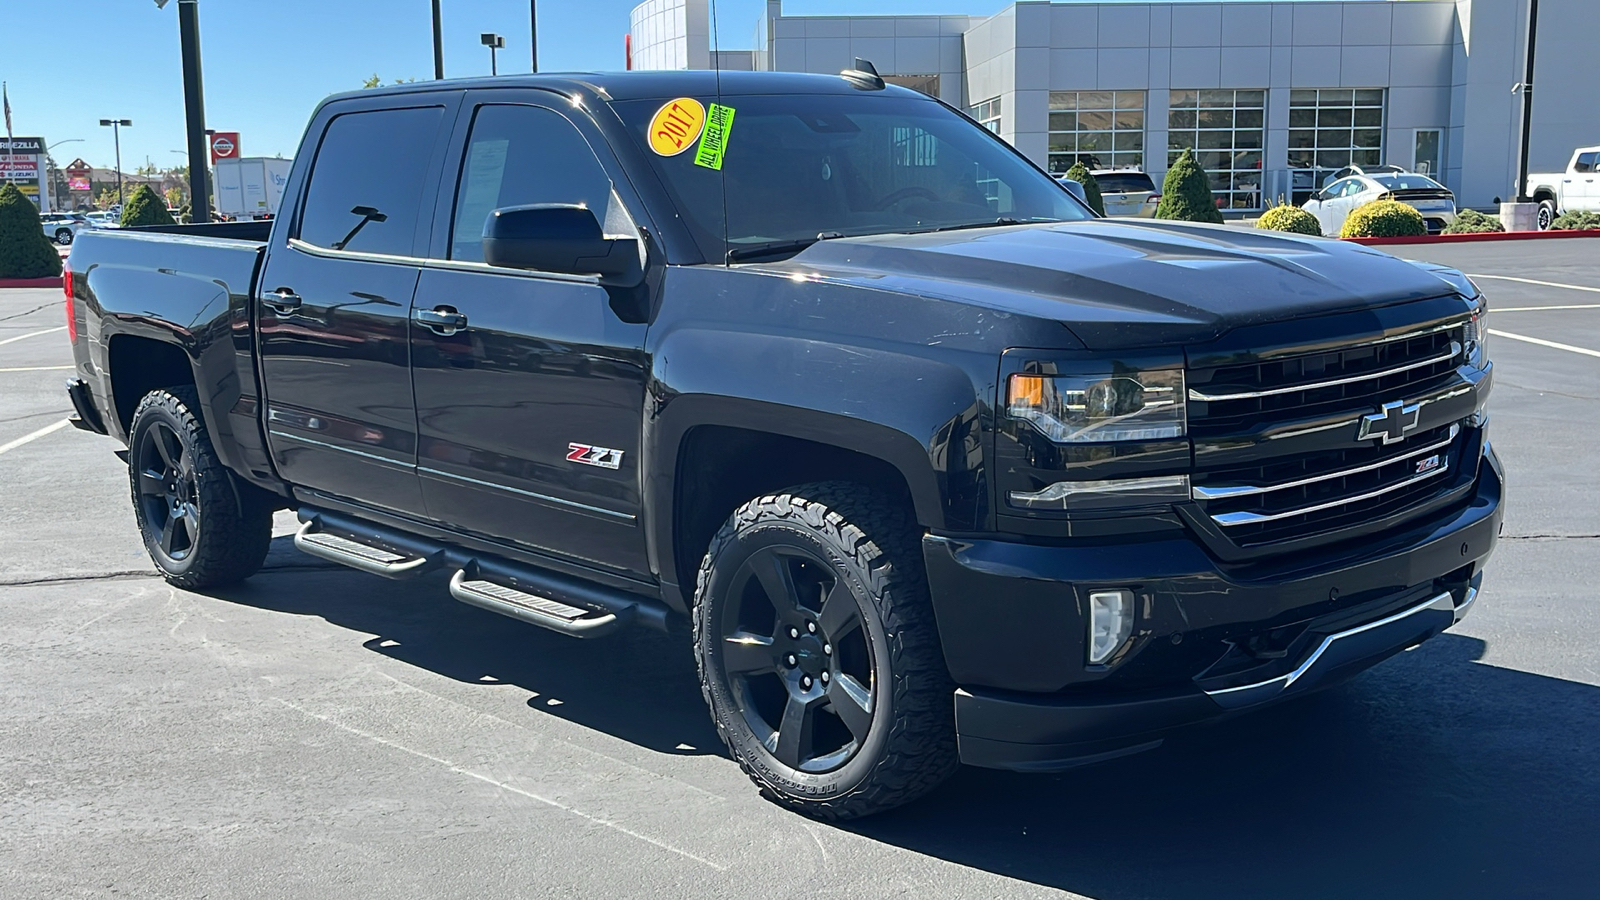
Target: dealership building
[{"x": 1273, "y": 96}]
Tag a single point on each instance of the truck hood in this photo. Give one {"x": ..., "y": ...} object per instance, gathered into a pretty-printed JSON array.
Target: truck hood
[{"x": 1122, "y": 285}]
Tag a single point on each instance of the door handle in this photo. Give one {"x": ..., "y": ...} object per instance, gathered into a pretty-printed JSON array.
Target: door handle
[
  {"x": 283, "y": 300},
  {"x": 443, "y": 320}
]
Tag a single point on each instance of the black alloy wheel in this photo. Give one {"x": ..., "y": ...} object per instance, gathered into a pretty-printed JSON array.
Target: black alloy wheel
[
  {"x": 165, "y": 484},
  {"x": 794, "y": 648},
  {"x": 818, "y": 652},
  {"x": 200, "y": 528}
]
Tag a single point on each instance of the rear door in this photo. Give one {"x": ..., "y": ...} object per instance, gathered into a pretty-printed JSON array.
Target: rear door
[
  {"x": 530, "y": 412},
  {"x": 334, "y": 302},
  {"x": 1585, "y": 190}
]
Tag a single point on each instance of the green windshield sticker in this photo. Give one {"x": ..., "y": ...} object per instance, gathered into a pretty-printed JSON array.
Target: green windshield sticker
[{"x": 714, "y": 139}]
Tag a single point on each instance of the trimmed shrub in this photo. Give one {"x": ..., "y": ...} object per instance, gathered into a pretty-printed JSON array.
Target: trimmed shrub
[
  {"x": 1470, "y": 221},
  {"x": 1384, "y": 218},
  {"x": 1186, "y": 193},
  {"x": 145, "y": 207},
  {"x": 1091, "y": 187},
  {"x": 1576, "y": 221},
  {"x": 25, "y": 251},
  {"x": 1292, "y": 219}
]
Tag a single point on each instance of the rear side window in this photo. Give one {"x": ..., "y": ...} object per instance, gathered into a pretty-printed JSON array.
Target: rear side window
[
  {"x": 525, "y": 154},
  {"x": 368, "y": 181},
  {"x": 1586, "y": 162}
]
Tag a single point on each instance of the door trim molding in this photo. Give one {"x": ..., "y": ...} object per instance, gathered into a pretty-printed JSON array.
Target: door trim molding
[
  {"x": 449, "y": 265},
  {"x": 544, "y": 498}
]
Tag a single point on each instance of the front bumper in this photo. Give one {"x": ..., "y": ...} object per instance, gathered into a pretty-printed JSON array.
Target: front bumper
[{"x": 1209, "y": 640}]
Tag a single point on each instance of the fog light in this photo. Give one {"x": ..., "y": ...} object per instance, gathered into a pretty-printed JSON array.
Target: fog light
[{"x": 1110, "y": 623}]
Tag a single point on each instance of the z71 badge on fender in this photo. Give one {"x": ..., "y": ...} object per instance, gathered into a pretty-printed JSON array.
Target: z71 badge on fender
[{"x": 588, "y": 455}]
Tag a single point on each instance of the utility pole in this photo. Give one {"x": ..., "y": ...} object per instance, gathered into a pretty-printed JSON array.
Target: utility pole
[
  {"x": 533, "y": 32},
  {"x": 1527, "y": 104},
  {"x": 194, "y": 104},
  {"x": 116, "y": 126},
  {"x": 438, "y": 44}
]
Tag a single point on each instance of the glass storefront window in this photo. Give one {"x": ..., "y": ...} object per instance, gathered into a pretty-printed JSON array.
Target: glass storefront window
[
  {"x": 1226, "y": 130},
  {"x": 1329, "y": 129},
  {"x": 1103, "y": 129}
]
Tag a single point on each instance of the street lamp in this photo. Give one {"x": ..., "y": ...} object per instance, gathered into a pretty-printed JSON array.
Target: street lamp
[
  {"x": 493, "y": 42},
  {"x": 116, "y": 126},
  {"x": 194, "y": 104}
]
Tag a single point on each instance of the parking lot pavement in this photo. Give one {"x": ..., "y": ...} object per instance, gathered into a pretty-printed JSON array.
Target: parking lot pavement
[{"x": 316, "y": 731}]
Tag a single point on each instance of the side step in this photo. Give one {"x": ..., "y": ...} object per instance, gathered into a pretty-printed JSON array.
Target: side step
[
  {"x": 357, "y": 554},
  {"x": 471, "y": 586}
]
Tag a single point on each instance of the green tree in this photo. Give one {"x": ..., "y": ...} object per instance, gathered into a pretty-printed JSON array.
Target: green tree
[
  {"x": 1186, "y": 193},
  {"x": 1470, "y": 221},
  {"x": 375, "y": 81},
  {"x": 106, "y": 199},
  {"x": 174, "y": 197},
  {"x": 25, "y": 251},
  {"x": 1091, "y": 187},
  {"x": 145, "y": 207}
]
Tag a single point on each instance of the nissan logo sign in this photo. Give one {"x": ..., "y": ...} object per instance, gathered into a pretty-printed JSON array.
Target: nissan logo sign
[{"x": 222, "y": 146}]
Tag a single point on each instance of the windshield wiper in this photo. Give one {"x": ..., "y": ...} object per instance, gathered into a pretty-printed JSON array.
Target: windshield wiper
[
  {"x": 1003, "y": 220},
  {"x": 777, "y": 248}
]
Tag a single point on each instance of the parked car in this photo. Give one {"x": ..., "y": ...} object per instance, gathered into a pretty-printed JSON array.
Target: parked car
[
  {"x": 1334, "y": 203},
  {"x": 63, "y": 227},
  {"x": 1575, "y": 190},
  {"x": 933, "y": 465},
  {"x": 1128, "y": 193},
  {"x": 1348, "y": 171},
  {"x": 104, "y": 219}
]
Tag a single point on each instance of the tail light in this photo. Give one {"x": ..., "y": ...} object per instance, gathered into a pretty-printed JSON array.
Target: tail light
[
  {"x": 72, "y": 316},
  {"x": 1153, "y": 198}
]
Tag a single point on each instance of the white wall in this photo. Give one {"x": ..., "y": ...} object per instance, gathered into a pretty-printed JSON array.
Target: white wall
[{"x": 671, "y": 34}]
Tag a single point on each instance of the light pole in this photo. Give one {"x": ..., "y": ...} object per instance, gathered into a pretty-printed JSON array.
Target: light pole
[
  {"x": 493, "y": 42},
  {"x": 194, "y": 104},
  {"x": 55, "y": 195},
  {"x": 116, "y": 126},
  {"x": 438, "y": 44},
  {"x": 533, "y": 32}
]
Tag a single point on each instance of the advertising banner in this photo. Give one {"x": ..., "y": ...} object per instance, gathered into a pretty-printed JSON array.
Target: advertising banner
[{"x": 22, "y": 164}]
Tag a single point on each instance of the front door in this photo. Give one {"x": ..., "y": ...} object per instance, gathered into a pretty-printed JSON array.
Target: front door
[
  {"x": 530, "y": 397},
  {"x": 334, "y": 304}
]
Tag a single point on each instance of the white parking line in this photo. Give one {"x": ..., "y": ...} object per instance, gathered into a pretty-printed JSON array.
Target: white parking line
[
  {"x": 48, "y": 429},
  {"x": 39, "y": 369},
  {"x": 13, "y": 340},
  {"x": 1497, "y": 333},
  {"x": 1554, "y": 284},
  {"x": 1501, "y": 309}
]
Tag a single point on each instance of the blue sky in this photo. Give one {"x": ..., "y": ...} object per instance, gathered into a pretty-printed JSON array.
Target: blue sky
[{"x": 268, "y": 62}]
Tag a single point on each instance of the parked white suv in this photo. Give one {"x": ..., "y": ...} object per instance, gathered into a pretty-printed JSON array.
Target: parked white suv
[{"x": 1575, "y": 190}]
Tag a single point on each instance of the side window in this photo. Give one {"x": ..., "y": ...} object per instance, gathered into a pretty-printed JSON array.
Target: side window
[
  {"x": 368, "y": 180},
  {"x": 1352, "y": 187},
  {"x": 524, "y": 154},
  {"x": 1585, "y": 162}
]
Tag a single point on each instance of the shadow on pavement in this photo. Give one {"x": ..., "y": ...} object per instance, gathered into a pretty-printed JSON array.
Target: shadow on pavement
[{"x": 1431, "y": 776}]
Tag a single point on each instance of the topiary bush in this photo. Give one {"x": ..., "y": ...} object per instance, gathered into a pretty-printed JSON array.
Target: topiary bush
[
  {"x": 1384, "y": 218},
  {"x": 25, "y": 251},
  {"x": 1091, "y": 187},
  {"x": 145, "y": 207},
  {"x": 1186, "y": 193},
  {"x": 1292, "y": 219},
  {"x": 1470, "y": 221},
  {"x": 1576, "y": 221}
]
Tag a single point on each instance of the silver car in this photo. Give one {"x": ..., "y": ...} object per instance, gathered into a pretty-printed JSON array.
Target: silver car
[
  {"x": 1335, "y": 202},
  {"x": 63, "y": 227}
]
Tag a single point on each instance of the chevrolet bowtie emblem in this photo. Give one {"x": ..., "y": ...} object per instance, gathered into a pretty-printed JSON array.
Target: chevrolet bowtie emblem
[{"x": 1391, "y": 423}]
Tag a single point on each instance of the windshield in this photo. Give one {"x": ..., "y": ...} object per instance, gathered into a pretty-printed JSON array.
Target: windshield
[
  {"x": 1407, "y": 183},
  {"x": 802, "y": 166}
]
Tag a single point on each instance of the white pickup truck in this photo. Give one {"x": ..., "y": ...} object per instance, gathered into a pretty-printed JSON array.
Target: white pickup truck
[{"x": 1578, "y": 188}]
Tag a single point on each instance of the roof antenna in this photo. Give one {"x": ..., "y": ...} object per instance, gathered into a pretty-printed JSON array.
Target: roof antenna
[{"x": 863, "y": 76}]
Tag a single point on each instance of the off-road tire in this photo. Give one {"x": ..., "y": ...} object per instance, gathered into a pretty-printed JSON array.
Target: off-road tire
[
  {"x": 233, "y": 529},
  {"x": 873, "y": 546}
]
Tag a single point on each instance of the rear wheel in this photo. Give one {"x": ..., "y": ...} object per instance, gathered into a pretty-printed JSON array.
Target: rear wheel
[
  {"x": 1547, "y": 214},
  {"x": 199, "y": 532},
  {"x": 818, "y": 653},
  {"x": 63, "y": 237}
]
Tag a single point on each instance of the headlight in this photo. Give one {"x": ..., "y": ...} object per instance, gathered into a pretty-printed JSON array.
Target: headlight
[
  {"x": 1478, "y": 337},
  {"x": 1133, "y": 406}
]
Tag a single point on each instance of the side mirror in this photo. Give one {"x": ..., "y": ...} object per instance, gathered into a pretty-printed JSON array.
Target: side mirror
[
  {"x": 559, "y": 237},
  {"x": 1075, "y": 189}
]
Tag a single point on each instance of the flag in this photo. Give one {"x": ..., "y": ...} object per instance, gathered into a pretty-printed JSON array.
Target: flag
[{"x": 6, "y": 98}]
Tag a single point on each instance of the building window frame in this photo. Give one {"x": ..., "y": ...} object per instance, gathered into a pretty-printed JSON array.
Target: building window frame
[
  {"x": 1102, "y": 129},
  {"x": 1332, "y": 128},
  {"x": 1227, "y": 129},
  {"x": 987, "y": 113}
]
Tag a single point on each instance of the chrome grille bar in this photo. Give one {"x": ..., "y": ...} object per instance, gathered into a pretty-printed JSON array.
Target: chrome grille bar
[
  {"x": 1227, "y": 493},
  {"x": 1227, "y": 520},
  {"x": 1455, "y": 350}
]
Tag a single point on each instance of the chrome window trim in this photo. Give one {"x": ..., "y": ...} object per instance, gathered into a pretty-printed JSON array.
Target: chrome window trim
[
  {"x": 428, "y": 262},
  {"x": 1228, "y": 493},
  {"x": 1228, "y": 520},
  {"x": 1455, "y": 350}
]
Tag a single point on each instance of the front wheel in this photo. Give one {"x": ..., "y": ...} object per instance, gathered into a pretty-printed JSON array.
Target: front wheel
[
  {"x": 199, "y": 532},
  {"x": 818, "y": 652},
  {"x": 64, "y": 237}
]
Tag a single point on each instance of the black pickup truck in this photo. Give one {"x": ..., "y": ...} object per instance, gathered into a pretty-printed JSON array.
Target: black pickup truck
[{"x": 935, "y": 465}]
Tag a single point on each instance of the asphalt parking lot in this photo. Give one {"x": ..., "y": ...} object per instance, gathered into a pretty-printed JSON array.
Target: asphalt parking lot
[{"x": 318, "y": 732}]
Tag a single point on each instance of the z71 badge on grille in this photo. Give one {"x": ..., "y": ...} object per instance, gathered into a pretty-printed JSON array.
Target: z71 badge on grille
[{"x": 589, "y": 455}]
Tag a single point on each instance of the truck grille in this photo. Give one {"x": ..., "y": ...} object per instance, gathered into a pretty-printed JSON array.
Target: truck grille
[{"x": 1343, "y": 482}]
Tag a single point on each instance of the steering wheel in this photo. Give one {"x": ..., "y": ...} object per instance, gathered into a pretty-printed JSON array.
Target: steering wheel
[{"x": 905, "y": 193}]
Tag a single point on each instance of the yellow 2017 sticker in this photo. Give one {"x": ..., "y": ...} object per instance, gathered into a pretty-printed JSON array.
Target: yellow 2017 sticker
[
  {"x": 714, "y": 140},
  {"x": 676, "y": 125}
]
